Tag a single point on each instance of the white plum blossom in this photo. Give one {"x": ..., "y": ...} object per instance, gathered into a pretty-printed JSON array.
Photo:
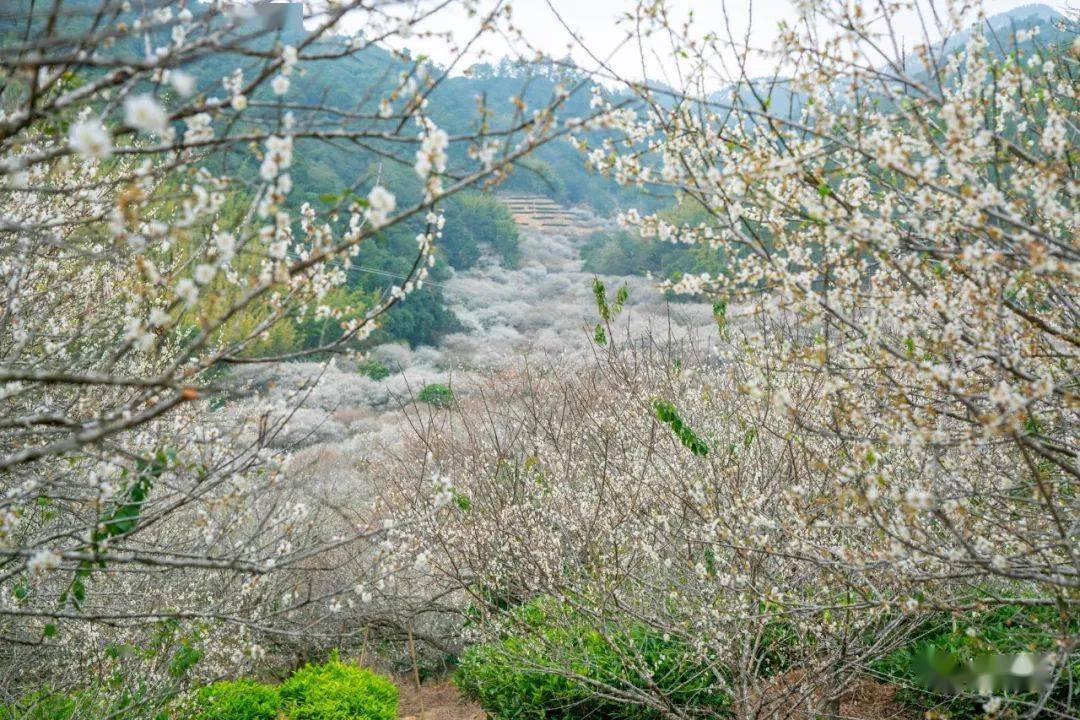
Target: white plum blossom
[
  {"x": 182, "y": 82},
  {"x": 138, "y": 334},
  {"x": 159, "y": 317},
  {"x": 225, "y": 244},
  {"x": 90, "y": 139},
  {"x": 144, "y": 112},
  {"x": 280, "y": 85},
  {"x": 431, "y": 157},
  {"x": 204, "y": 273},
  {"x": 199, "y": 129},
  {"x": 289, "y": 57},
  {"x": 278, "y": 156},
  {"x": 42, "y": 561},
  {"x": 486, "y": 154},
  {"x": 188, "y": 291},
  {"x": 381, "y": 203}
]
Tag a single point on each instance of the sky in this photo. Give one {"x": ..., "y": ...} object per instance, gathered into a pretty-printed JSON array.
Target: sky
[{"x": 546, "y": 25}]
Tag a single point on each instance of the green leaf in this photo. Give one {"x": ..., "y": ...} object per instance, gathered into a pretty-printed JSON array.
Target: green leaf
[
  {"x": 600, "y": 293},
  {"x": 667, "y": 413},
  {"x": 186, "y": 657},
  {"x": 620, "y": 297}
]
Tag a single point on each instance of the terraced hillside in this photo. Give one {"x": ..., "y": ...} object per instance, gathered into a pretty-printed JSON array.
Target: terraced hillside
[{"x": 537, "y": 212}]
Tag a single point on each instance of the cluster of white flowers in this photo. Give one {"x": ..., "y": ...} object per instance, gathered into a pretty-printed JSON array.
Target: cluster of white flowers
[
  {"x": 431, "y": 156},
  {"x": 278, "y": 156},
  {"x": 234, "y": 86},
  {"x": 381, "y": 203},
  {"x": 289, "y": 57},
  {"x": 90, "y": 139},
  {"x": 199, "y": 129},
  {"x": 43, "y": 561},
  {"x": 144, "y": 112}
]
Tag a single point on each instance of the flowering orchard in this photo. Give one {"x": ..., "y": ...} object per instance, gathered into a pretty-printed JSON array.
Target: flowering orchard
[
  {"x": 147, "y": 239},
  {"x": 885, "y": 436}
]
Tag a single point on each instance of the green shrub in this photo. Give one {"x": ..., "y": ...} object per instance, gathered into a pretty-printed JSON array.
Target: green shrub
[
  {"x": 99, "y": 700},
  {"x": 942, "y": 645},
  {"x": 437, "y": 395},
  {"x": 334, "y": 690},
  {"x": 519, "y": 676},
  {"x": 40, "y": 705},
  {"x": 237, "y": 700},
  {"x": 373, "y": 369},
  {"x": 338, "y": 691}
]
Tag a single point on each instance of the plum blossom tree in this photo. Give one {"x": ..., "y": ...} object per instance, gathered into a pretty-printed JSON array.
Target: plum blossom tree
[
  {"x": 890, "y": 413},
  {"x": 147, "y": 240}
]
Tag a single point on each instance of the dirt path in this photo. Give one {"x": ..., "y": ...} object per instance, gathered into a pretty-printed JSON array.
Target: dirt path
[
  {"x": 866, "y": 700},
  {"x": 441, "y": 701}
]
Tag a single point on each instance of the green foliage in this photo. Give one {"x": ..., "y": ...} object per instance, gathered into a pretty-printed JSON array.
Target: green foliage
[
  {"x": 775, "y": 646},
  {"x": 719, "y": 310},
  {"x": 337, "y": 690},
  {"x": 436, "y": 394},
  {"x": 524, "y": 676},
  {"x": 41, "y": 705},
  {"x": 422, "y": 319},
  {"x": 311, "y": 332},
  {"x": 668, "y": 414},
  {"x": 117, "y": 688},
  {"x": 118, "y": 519},
  {"x": 236, "y": 700},
  {"x": 625, "y": 253},
  {"x": 944, "y": 646},
  {"x": 475, "y": 221},
  {"x": 94, "y": 701},
  {"x": 333, "y": 690},
  {"x": 608, "y": 310},
  {"x": 373, "y": 369}
]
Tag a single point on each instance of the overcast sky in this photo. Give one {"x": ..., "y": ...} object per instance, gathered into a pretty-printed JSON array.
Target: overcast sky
[{"x": 597, "y": 24}]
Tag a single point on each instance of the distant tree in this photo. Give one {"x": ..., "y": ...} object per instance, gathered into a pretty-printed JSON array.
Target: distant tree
[
  {"x": 436, "y": 394},
  {"x": 373, "y": 369},
  {"x": 475, "y": 222}
]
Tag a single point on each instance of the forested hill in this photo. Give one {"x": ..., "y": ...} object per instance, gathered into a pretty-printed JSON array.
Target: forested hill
[
  {"x": 460, "y": 102},
  {"x": 556, "y": 170}
]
